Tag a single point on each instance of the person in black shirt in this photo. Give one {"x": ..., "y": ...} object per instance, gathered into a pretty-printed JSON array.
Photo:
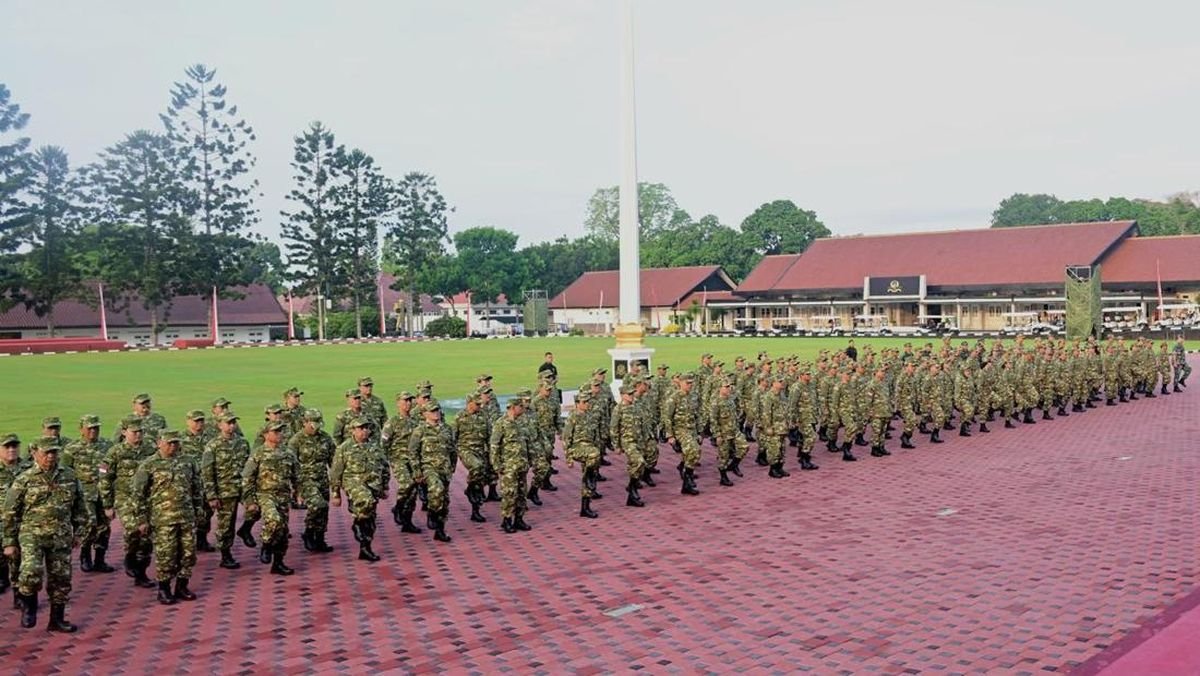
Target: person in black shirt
[
  {"x": 852, "y": 351},
  {"x": 548, "y": 366}
]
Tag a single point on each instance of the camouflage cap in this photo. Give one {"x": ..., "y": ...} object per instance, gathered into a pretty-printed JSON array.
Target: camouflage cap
[
  {"x": 366, "y": 380},
  {"x": 600, "y": 371},
  {"x": 430, "y": 407},
  {"x": 170, "y": 435},
  {"x": 292, "y": 391},
  {"x": 627, "y": 387},
  {"x": 483, "y": 376},
  {"x": 517, "y": 401},
  {"x": 405, "y": 395},
  {"x": 273, "y": 408},
  {"x": 359, "y": 421},
  {"x": 141, "y": 398},
  {"x": 195, "y": 414},
  {"x": 353, "y": 393},
  {"x": 718, "y": 363},
  {"x": 524, "y": 393},
  {"x": 475, "y": 398},
  {"x": 663, "y": 367},
  {"x": 275, "y": 426},
  {"x": 51, "y": 421},
  {"x": 131, "y": 422},
  {"x": 583, "y": 397},
  {"x": 424, "y": 391},
  {"x": 10, "y": 439},
  {"x": 313, "y": 415},
  {"x": 486, "y": 389},
  {"x": 46, "y": 445},
  {"x": 221, "y": 402},
  {"x": 424, "y": 385},
  {"x": 706, "y": 355},
  {"x": 687, "y": 377},
  {"x": 228, "y": 417}
]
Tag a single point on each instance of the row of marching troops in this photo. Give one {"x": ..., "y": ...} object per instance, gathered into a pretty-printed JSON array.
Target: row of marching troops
[{"x": 167, "y": 485}]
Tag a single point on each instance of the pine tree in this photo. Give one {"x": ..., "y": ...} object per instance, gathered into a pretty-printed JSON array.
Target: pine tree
[
  {"x": 14, "y": 177},
  {"x": 50, "y": 266},
  {"x": 417, "y": 233},
  {"x": 361, "y": 200}
]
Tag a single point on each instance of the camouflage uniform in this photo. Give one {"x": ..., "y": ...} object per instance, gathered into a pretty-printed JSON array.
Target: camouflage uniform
[
  {"x": 727, "y": 433},
  {"x": 167, "y": 494},
  {"x": 1182, "y": 368},
  {"x": 270, "y": 481},
  {"x": 373, "y": 408},
  {"x": 626, "y": 430},
  {"x": 9, "y": 570},
  {"x": 878, "y": 408},
  {"x": 395, "y": 438},
  {"x": 545, "y": 411},
  {"x": 362, "y": 470},
  {"x": 431, "y": 446},
  {"x": 965, "y": 398},
  {"x": 116, "y": 484},
  {"x": 472, "y": 430},
  {"x": 510, "y": 456},
  {"x": 906, "y": 390},
  {"x": 803, "y": 404},
  {"x": 86, "y": 458},
  {"x": 315, "y": 453},
  {"x": 679, "y": 421},
  {"x": 44, "y": 511},
  {"x": 192, "y": 447},
  {"x": 773, "y": 427},
  {"x": 221, "y": 475}
]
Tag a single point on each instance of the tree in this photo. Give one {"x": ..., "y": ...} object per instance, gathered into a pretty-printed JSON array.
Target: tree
[
  {"x": 138, "y": 197},
  {"x": 14, "y": 177},
  {"x": 780, "y": 227},
  {"x": 656, "y": 209},
  {"x": 212, "y": 144},
  {"x": 361, "y": 200},
  {"x": 1022, "y": 209},
  {"x": 314, "y": 252},
  {"x": 416, "y": 233},
  {"x": 50, "y": 269},
  {"x": 263, "y": 264}
]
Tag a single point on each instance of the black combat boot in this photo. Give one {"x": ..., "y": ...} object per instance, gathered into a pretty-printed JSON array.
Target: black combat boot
[
  {"x": 964, "y": 430},
  {"x": 99, "y": 565},
  {"x": 689, "y": 483},
  {"x": 821, "y": 436},
  {"x": 647, "y": 478},
  {"x": 1028, "y": 419},
  {"x": 761, "y": 458},
  {"x": 182, "y": 593},
  {"x": 632, "y": 499},
  {"x": 227, "y": 560},
  {"x": 247, "y": 537},
  {"x": 947, "y": 426},
  {"x": 397, "y": 510},
  {"x": 439, "y": 528},
  {"x": 506, "y": 525},
  {"x": 923, "y": 428},
  {"x": 831, "y": 445},
  {"x": 406, "y": 518},
  {"x": 29, "y": 608},
  {"x": 935, "y": 436},
  {"x": 1110, "y": 402},
  {"x": 991, "y": 416},
  {"x": 532, "y": 496},
  {"x": 1046, "y": 414},
  {"x": 140, "y": 578},
  {"x": 585, "y": 509},
  {"x": 4, "y": 581},
  {"x": 725, "y": 481},
  {"x": 592, "y": 477},
  {"x": 475, "y": 496},
  {"x": 202, "y": 543},
  {"x": 1164, "y": 388},
  {"x": 984, "y": 428},
  {"x": 781, "y": 471},
  {"x": 492, "y": 495},
  {"x": 847, "y": 456},
  {"x": 1008, "y": 423},
  {"x": 906, "y": 440},
  {"x": 265, "y": 552},
  {"x": 307, "y": 539},
  {"x": 519, "y": 523},
  {"x": 735, "y": 466},
  {"x": 320, "y": 545},
  {"x": 806, "y": 462},
  {"x": 278, "y": 567},
  {"x": 1077, "y": 408},
  {"x": 860, "y": 440},
  {"x": 58, "y": 621},
  {"x": 165, "y": 596},
  {"x": 85, "y": 558},
  {"x": 130, "y": 564},
  {"x": 1176, "y": 388},
  {"x": 1062, "y": 411},
  {"x": 1149, "y": 394},
  {"x": 773, "y": 472},
  {"x": 546, "y": 485}
]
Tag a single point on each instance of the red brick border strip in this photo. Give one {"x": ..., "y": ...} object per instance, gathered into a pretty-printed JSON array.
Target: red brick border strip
[{"x": 1134, "y": 639}]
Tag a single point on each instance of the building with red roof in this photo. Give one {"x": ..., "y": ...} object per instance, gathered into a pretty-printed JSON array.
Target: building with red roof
[
  {"x": 980, "y": 279},
  {"x": 590, "y": 302}
]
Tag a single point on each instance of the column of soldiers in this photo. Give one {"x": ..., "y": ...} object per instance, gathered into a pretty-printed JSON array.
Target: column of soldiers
[{"x": 166, "y": 485}]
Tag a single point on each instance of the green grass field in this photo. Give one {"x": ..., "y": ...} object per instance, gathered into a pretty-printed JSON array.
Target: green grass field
[{"x": 70, "y": 385}]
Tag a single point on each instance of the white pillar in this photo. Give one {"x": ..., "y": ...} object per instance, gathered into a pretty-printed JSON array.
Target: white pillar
[{"x": 628, "y": 192}]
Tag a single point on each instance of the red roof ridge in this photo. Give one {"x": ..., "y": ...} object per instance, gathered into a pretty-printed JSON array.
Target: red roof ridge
[{"x": 914, "y": 233}]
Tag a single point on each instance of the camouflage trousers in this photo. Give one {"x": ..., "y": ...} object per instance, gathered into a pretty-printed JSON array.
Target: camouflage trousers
[
  {"x": 137, "y": 546},
  {"x": 729, "y": 449},
  {"x": 635, "y": 462},
  {"x": 588, "y": 457},
  {"x": 937, "y": 415},
  {"x": 406, "y": 487},
  {"x": 539, "y": 464},
  {"x": 226, "y": 522},
  {"x": 513, "y": 490},
  {"x": 808, "y": 437},
  {"x": 204, "y": 520},
  {"x": 174, "y": 550},
  {"x": 910, "y": 419},
  {"x": 772, "y": 444},
  {"x": 1182, "y": 371},
  {"x": 315, "y": 494},
  {"x": 437, "y": 499},
  {"x": 274, "y": 510},
  {"x": 476, "y": 464},
  {"x": 967, "y": 408},
  {"x": 361, "y": 501},
  {"x": 44, "y": 558},
  {"x": 878, "y": 425},
  {"x": 650, "y": 452},
  {"x": 98, "y": 530},
  {"x": 690, "y": 445}
]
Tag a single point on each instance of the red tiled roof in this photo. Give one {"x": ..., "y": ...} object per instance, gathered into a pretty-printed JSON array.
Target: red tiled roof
[
  {"x": 258, "y": 306},
  {"x": 705, "y": 297},
  {"x": 1140, "y": 259},
  {"x": 659, "y": 287},
  {"x": 766, "y": 274},
  {"x": 983, "y": 257},
  {"x": 303, "y": 305}
]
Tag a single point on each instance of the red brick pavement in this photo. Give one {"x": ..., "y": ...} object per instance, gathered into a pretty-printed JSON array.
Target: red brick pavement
[{"x": 1056, "y": 549}]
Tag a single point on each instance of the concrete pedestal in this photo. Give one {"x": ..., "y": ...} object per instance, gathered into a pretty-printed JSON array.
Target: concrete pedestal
[{"x": 622, "y": 358}]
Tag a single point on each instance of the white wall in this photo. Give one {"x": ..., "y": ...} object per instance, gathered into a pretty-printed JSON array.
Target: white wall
[{"x": 140, "y": 336}]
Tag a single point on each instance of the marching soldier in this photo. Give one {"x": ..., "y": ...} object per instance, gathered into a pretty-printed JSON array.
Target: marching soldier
[
  {"x": 221, "y": 475},
  {"x": 431, "y": 446},
  {"x": 626, "y": 431},
  {"x": 192, "y": 444},
  {"x": 395, "y": 438},
  {"x": 773, "y": 427},
  {"x": 372, "y": 405},
  {"x": 270, "y": 481},
  {"x": 44, "y": 514},
  {"x": 360, "y": 467},
  {"x": 472, "y": 430},
  {"x": 680, "y": 423},
  {"x": 11, "y": 466},
  {"x": 314, "y": 450},
  {"x": 727, "y": 433},
  {"x": 86, "y": 456},
  {"x": 116, "y": 491},
  {"x": 167, "y": 497},
  {"x": 293, "y": 411},
  {"x": 510, "y": 456}
]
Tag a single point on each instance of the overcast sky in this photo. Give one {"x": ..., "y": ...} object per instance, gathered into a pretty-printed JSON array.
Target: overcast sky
[{"x": 880, "y": 116}]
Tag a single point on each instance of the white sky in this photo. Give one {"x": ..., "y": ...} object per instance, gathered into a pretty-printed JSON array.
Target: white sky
[{"x": 880, "y": 116}]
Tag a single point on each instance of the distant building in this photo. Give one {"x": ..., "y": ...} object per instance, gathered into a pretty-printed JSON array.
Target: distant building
[
  {"x": 498, "y": 317},
  {"x": 249, "y": 319},
  {"x": 974, "y": 279},
  {"x": 590, "y": 302},
  {"x": 395, "y": 304}
]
